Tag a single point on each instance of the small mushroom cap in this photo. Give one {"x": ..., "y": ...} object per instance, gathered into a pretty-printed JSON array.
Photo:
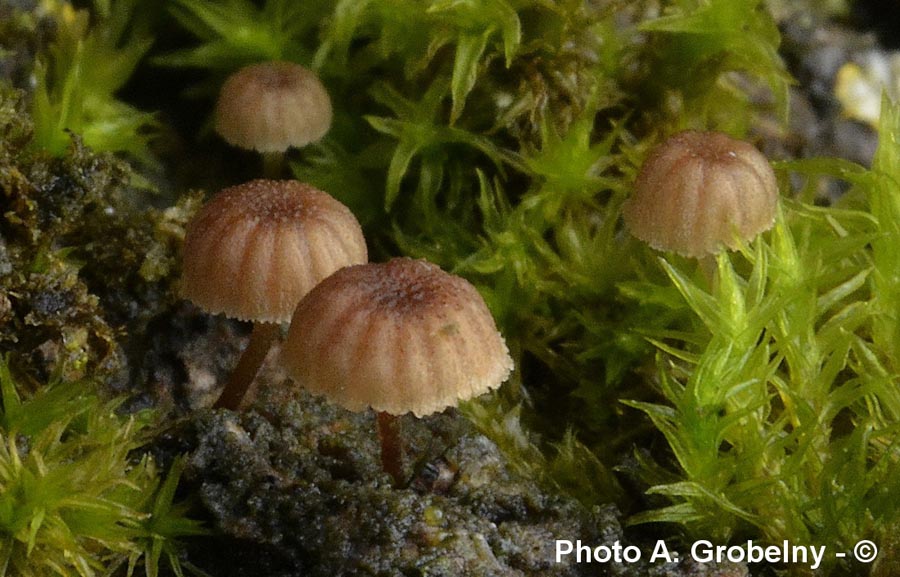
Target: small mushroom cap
[
  {"x": 272, "y": 106},
  {"x": 397, "y": 337},
  {"x": 698, "y": 190},
  {"x": 254, "y": 250}
]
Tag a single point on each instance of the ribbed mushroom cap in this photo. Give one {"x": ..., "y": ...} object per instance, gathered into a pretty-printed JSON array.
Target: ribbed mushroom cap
[
  {"x": 256, "y": 249},
  {"x": 397, "y": 337},
  {"x": 272, "y": 106},
  {"x": 697, "y": 190}
]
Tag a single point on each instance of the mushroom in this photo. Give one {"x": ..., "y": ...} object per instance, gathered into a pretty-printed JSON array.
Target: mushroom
[
  {"x": 698, "y": 191},
  {"x": 402, "y": 336},
  {"x": 270, "y": 107},
  {"x": 255, "y": 250}
]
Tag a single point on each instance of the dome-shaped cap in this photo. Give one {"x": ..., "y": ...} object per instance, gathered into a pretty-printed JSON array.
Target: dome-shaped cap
[
  {"x": 697, "y": 190},
  {"x": 256, "y": 249},
  {"x": 397, "y": 337},
  {"x": 273, "y": 106}
]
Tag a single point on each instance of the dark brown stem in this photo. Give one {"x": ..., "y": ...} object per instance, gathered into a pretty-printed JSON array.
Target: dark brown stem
[
  {"x": 391, "y": 447},
  {"x": 273, "y": 165},
  {"x": 238, "y": 384}
]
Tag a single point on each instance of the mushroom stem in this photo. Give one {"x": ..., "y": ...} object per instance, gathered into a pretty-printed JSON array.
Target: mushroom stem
[
  {"x": 273, "y": 165},
  {"x": 710, "y": 269},
  {"x": 391, "y": 447},
  {"x": 238, "y": 384}
]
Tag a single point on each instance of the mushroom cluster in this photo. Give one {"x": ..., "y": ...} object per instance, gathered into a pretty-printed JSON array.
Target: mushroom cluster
[
  {"x": 398, "y": 337},
  {"x": 255, "y": 250}
]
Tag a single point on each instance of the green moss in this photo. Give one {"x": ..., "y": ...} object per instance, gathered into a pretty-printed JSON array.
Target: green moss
[
  {"x": 77, "y": 78},
  {"x": 501, "y": 139},
  {"x": 698, "y": 43},
  {"x": 783, "y": 399},
  {"x": 73, "y": 499},
  {"x": 235, "y": 32}
]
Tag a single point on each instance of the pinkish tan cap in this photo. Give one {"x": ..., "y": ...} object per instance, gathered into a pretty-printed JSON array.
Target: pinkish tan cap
[
  {"x": 403, "y": 336},
  {"x": 254, "y": 250},
  {"x": 698, "y": 191},
  {"x": 272, "y": 106}
]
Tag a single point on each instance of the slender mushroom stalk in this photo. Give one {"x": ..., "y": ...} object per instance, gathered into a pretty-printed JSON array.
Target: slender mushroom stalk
[
  {"x": 398, "y": 337},
  {"x": 273, "y": 165},
  {"x": 698, "y": 191},
  {"x": 238, "y": 385},
  {"x": 270, "y": 107},
  {"x": 391, "y": 447},
  {"x": 255, "y": 250}
]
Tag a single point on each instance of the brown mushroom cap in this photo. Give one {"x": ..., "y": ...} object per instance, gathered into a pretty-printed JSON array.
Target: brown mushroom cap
[
  {"x": 397, "y": 337},
  {"x": 698, "y": 190},
  {"x": 272, "y": 106},
  {"x": 256, "y": 249}
]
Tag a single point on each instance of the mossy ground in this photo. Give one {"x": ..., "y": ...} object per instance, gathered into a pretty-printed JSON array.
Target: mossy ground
[{"x": 497, "y": 138}]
